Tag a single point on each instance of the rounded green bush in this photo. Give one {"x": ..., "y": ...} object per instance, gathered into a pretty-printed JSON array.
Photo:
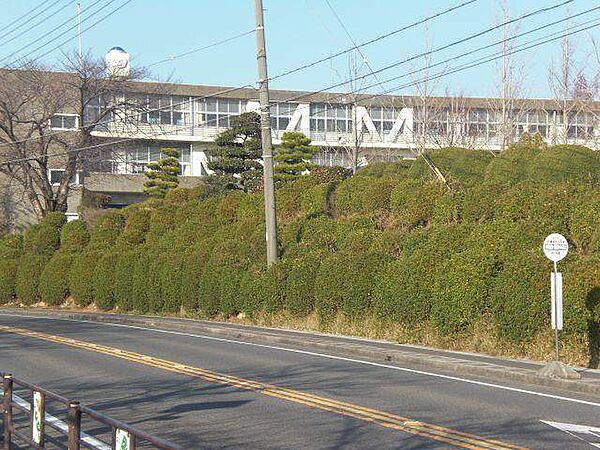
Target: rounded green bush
[
  {"x": 345, "y": 283},
  {"x": 28, "y": 278},
  {"x": 300, "y": 283},
  {"x": 8, "y": 274},
  {"x": 397, "y": 169},
  {"x": 413, "y": 202},
  {"x": 107, "y": 229},
  {"x": 136, "y": 226},
  {"x": 512, "y": 166},
  {"x": 44, "y": 237},
  {"x": 465, "y": 166},
  {"x": 54, "y": 288},
  {"x": 74, "y": 236},
  {"x": 11, "y": 246},
  {"x": 131, "y": 281},
  {"x": 583, "y": 220},
  {"x": 566, "y": 163},
  {"x": 519, "y": 297},
  {"x": 81, "y": 276},
  {"x": 405, "y": 291},
  {"x": 365, "y": 196},
  {"x": 104, "y": 281}
]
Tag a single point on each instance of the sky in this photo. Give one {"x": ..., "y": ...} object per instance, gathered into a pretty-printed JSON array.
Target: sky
[{"x": 299, "y": 32}]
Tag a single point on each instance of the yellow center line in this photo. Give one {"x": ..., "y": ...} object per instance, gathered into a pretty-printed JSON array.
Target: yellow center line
[{"x": 381, "y": 418}]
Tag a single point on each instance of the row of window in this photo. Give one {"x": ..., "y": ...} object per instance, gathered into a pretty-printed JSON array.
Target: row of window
[
  {"x": 137, "y": 158},
  {"x": 332, "y": 118}
]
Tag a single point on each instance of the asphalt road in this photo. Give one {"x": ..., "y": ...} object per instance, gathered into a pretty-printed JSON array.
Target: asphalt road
[{"x": 186, "y": 408}]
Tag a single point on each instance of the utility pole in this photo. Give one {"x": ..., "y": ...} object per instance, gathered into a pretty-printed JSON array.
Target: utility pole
[
  {"x": 265, "y": 125},
  {"x": 79, "y": 41}
]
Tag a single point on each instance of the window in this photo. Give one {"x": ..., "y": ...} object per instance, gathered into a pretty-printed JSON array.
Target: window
[
  {"x": 56, "y": 175},
  {"x": 383, "y": 119},
  {"x": 164, "y": 110},
  {"x": 64, "y": 122},
  {"x": 137, "y": 158},
  {"x": 580, "y": 126},
  {"x": 217, "y": 112},
  {"x": 95, "y": 112},
  {"x": 330, "y": 118},
  {"x": 281, "y": 114}
]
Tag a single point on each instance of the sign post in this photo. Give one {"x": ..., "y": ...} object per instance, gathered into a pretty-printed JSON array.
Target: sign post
[{"x": 556, "y": 248}]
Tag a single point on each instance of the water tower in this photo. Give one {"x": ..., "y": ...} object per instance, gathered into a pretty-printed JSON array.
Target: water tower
[{"x": 117, "y": 63}]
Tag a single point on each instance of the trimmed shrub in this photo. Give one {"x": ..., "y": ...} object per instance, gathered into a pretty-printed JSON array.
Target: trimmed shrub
[
  {"x": 8, "y": 274},
  {"x": 300, "y": 283},
  {"x": 129, "y": 276},
  {"x": 11, "y": 246},
  {"x": 136, "y": 226},
  {"x": 364, "y": 196},
  {"x": 319, "y": 233},
  {"x": 74, "y": 236},
  {"x": 405, "y": 290},
  {"x": 107, "y": 229},
  {"x": 54, "y": 288},
  {"x": 519, "y": 297},
  {"x": 464, "y": 166},
  {"x": 345, "y": 283},
  {"x": 81, "y": 276},
  {"x": 44, "y": 238},
  {"x": 583, "y": 220},
  {"x": 566, "y": 163},
  {"x": 413, "y": 202},
  {"x": 28, "y": 278},
  {"x": 104, "y": 281},
  {"x": 511, "y": 166},
  {"x": 397, "y": 169}
]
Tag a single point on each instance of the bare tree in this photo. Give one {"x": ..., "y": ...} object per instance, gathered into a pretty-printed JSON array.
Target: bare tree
[
  {"x": 32, "y": 99},
  {"x": 506, "y": 110}
]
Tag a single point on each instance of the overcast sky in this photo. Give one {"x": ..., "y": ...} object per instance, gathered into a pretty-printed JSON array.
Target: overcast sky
[{"x": 298, "y": 32}]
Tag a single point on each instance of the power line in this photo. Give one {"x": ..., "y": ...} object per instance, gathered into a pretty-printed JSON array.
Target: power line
[
  {"x": 205, "y": 47},
  {"x": 43, "y": 20},
  {"x": 102, "y": 19},
  {"x": 444, "y": 47},
  {"x": 376, "y": 39},
  {"x": 58, "y": 27},
  {"x": 31, "y": 11},
  {"x": 477, "y": 50}
]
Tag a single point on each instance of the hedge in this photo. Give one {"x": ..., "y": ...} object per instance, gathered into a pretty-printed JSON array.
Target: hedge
[
  {"x": 11, "y": 246},
  {"x": 413, "y": 202},
  {"x": 104, "y": 280},
  {"x": 107, "y": 229},
  {"x": 8, "y": 274},
  {"x": 81, "y": 276},
  {"x": 54, "y": 286},
  {"x": 345, "y": 283},
  {"x": 44, "y": 238},
  {"x": 364, "y": 196},
  {"x": 391, "y": 243},
  {"x": 74, "y": 236},
  {"x": 27, "y": 283},
  {"x": 464, "y": 166}
]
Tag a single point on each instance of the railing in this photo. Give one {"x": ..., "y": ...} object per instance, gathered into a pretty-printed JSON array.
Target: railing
[{"x": 26, "y": 420}]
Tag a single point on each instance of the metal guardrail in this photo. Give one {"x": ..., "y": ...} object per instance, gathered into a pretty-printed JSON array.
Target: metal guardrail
[{"x": 124, "y": 437}]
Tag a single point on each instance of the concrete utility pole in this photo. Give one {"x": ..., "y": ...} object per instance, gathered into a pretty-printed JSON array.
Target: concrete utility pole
[{"x": 265, "y": 124}]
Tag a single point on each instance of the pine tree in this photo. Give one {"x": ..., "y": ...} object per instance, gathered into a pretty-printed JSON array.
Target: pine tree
[
  {"x": 293, "y": 156},
  {"x": 236, "y": 155},
  {"x": 162, "y": 175}
]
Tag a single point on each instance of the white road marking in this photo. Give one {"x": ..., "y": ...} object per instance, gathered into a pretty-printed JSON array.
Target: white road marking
[
  {"x": 323, "y": 355},
  {"x": 581, "y": 432}
]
